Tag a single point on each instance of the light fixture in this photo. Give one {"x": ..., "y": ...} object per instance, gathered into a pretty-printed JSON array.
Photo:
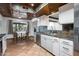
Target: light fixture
[
  {"x": 32, "y": 4},
  {"x": 19, "y": 17}
]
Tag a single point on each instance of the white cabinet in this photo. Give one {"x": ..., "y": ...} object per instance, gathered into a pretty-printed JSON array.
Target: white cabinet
[
  {"x": 4, "y": 45},
  {"x": 43, "y": 21},
  {"x": 54, "y": 26},
  {"x": 46, "y": 42},
  {"x": 56, "y": 45},
  {"x": 43, "y": 41},
  {"x": 4, "y": 42},
  {"x": 66, "y": 47},
  {"x": 66, "y": 14},
  {"x": 49, "y": 45}
]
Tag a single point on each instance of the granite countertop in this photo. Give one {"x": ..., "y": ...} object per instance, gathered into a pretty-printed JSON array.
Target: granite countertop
[
  {"x": 60, "y": 35},
  {"x": 1, "y": 35}
]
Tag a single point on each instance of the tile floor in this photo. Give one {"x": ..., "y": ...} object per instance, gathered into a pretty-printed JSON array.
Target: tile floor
[{"x": 25, "y": 48}]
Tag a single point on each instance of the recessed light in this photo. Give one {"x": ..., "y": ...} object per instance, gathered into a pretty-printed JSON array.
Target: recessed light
[
  {"x": 19, "y": 17},
  {"x": 32, "y": 4}
]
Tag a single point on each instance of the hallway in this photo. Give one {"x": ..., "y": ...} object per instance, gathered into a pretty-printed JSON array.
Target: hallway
[{"x": 27, "y": 48}]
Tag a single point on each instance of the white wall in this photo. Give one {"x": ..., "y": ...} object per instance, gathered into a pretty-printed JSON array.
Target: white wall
[
  {"x": 43, "y": 21},
  {"x": 3, "y": 25},
  {"x": 31, "y": 28}
]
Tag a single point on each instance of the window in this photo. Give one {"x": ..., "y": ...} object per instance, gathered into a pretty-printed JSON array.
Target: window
[{"x": 19, "y": 27}]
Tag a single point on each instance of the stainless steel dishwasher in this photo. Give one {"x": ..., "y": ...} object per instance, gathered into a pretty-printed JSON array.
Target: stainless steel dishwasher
[{"x": 38, "y": 39}]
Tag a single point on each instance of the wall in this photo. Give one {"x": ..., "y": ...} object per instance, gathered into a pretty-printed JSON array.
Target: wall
[
  {"x": 31, "y": 28},
  {"x": 3, "y": 25},
  {"x": 43, "y": 21}
]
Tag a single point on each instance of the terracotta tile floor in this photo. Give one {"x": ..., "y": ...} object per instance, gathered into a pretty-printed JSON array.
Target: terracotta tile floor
[{"x": 26, "y": 48}]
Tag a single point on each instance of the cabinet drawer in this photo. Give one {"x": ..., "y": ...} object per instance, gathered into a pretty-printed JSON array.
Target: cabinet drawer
[
  {"x": 64, "y": 54},
  {"x": 66, "y": 49},
  {"x": 66, "y": 42}
]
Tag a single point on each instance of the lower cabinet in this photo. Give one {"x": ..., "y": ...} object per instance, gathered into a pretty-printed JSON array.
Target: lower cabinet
[
  {"x": 43, "y": 42},
  {"x": 57, "y": 46},
  {"x": 50, "y": 43},
  {"x": 66, "y": 47},
  {"x": 46, "y": 42}
]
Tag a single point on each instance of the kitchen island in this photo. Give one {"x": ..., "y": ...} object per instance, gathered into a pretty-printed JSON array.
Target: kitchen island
[
  {"x": 3, "y": 40},
  {"x": 1, "y": 45}
]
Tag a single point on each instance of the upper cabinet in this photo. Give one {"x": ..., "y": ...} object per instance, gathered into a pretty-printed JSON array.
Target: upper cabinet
[
  {"x": 54, "y": 26},
  {"x": 43, "y": 21},
  {"x": 66, "y": 14}
]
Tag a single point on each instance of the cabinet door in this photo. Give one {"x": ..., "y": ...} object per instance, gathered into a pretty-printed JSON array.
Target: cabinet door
[
  {"x": 66, "y": 47},
  {"x": 46, "y": 42},
  {"x": 49, "y": 44},
  {"x": 55, "y": 46},
  {"x": 66, "y": 14},
  {"x": 43, "y": 42}
]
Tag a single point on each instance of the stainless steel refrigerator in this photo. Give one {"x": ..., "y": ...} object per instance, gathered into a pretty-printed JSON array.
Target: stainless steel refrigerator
[{"x": 76, "y": 26}]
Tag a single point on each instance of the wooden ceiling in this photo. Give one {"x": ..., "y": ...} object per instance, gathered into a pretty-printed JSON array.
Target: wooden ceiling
[
  {"x": 51, "y": 7},
  {"x": 28, "y": 5},
  {"x": 5, "y": 9}
]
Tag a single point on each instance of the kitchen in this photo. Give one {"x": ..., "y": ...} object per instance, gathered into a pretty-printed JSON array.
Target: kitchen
[{"x": 48, "y": 25}]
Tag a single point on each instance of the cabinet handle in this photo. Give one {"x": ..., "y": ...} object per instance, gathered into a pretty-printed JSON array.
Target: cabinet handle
[
  {"x": 65, "y": 48},
  {"x": 55, "y": 40},
  {"x": 67, "y": 43}
]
